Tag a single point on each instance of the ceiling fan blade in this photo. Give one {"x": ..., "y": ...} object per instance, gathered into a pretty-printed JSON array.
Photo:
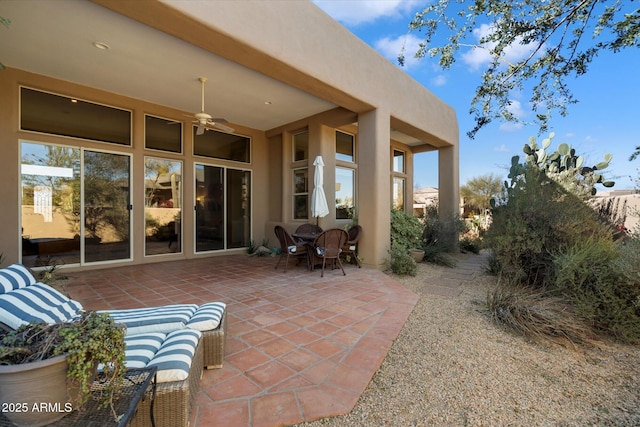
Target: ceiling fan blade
[
  {"x": 200, "y": 130},
  {"x": 222, "y": 127}
]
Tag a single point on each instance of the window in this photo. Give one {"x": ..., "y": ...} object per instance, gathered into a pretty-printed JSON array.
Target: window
[
  {"x": 398, "y": 193},
  {"x": 162, "y": 134},
  {"x": 301, "y": 146},
  {"x": 345, "y": 147},
  {"x": 301, "y": 193},
  {"x": 398, "y": 161},
  {"x": 162, "y": 206},
  {"x": 345, "y": 193},
  {"x": 61, "y": 115},
  {"x": 221, "y": 145}
]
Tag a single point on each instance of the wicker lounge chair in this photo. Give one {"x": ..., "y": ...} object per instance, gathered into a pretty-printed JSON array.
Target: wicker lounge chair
[{"x": 173, "y": 400}]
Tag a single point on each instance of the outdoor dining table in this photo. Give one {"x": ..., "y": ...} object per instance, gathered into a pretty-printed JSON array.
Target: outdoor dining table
[{"x": 305, "y": 237}]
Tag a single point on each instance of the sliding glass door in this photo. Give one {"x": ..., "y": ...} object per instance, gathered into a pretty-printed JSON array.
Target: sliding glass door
[
  {"x": 107, "y": 206},
  {"x": 75, "y": 205},
  {"x": 223, "y": 211}
]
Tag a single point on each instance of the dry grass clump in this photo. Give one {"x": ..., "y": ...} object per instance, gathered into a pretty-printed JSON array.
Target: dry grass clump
[{"x": 537, "y": 316}]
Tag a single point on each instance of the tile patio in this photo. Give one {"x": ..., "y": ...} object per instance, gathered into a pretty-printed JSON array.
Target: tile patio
[{"x": 299, "y": 347}]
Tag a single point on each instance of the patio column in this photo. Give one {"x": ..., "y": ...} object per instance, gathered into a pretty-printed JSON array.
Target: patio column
[
  {"x": 449, "y": 183},
  {"x": 374, "y": 185}
]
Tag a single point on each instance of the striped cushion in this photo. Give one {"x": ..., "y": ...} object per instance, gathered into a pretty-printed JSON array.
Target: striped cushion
[
  {"x": 154, "y": 319},
  {"x": 140, "y": 349},
  {"x": 176, "y": 355},
  {"x": 207, "y": 317},
  {"x": 15, "y": 276},
  {"x": 36, "y": 303}
]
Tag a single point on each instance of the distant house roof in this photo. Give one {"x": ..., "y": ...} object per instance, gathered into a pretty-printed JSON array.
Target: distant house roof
[{"x": 426, "y": 195}]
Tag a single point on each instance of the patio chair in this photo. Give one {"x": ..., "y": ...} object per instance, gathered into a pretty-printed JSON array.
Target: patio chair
[
  {"x": 328, "y": 246},
  {"x": 289, "y": 247},
  {"x": 351, "y": 247}
]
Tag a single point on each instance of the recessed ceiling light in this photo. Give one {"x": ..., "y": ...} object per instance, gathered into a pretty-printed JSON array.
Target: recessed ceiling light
[{"x": 101, "y": 45}]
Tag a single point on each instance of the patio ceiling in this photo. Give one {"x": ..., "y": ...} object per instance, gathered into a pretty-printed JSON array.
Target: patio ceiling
[{"x": 56, "y": 39}]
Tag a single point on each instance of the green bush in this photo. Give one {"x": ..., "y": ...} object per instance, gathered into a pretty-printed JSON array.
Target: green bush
[
  {"x": 401, "y": 262},
  {"x": 469, "y": 244},
  {"x": 406, "y": 230}
]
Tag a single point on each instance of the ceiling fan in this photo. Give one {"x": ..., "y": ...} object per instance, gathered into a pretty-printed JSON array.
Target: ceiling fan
[{"x": 205, "y": 121}]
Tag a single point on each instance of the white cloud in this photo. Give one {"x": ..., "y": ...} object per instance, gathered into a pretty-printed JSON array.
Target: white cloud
[
  {"x": 356, "y": 12},
  {"x": 439, "y": 80},
  {"x": 511, "y": 126},
  {"x": 502, "y": 149},
  {"x": 390, "y": 48},
  {"x": 480, "y": 55},
  {"x": 515, "y": 108},
  {"x": 590, "y": 139}
]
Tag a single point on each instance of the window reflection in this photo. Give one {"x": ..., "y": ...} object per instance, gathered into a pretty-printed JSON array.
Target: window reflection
[
  {"x": 301, "y": 193},
  {"x": 162, "y": 206},
  {"x": 50, "y": 205},
  {"x": 345, "y": 193},
  {"x": 345, "y": 147}
]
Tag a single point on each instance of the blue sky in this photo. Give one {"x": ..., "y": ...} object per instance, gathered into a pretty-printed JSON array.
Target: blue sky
[{"x": 606, "y": 119}]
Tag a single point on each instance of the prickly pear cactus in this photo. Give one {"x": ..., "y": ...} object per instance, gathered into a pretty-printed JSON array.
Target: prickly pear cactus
[{"x": 563, "y": 166}]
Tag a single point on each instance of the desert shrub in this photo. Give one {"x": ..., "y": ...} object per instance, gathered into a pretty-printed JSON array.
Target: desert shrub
[
  {"x": 600, "y": 279},
  {"x": 442, "y": 233},
  {"x": 436, "y": 255},
  {"x": 536, "y": 315},
  {"x": 400, "y": 262},
  {"x": 552, "y": 244},
  {"x": 493, "y": 266},
  {"x": 470, "y": 244},
  {"x": 440, "y": 237},
  {"x": 539, "y": 219},
  {"x": 406, "y": 230}
]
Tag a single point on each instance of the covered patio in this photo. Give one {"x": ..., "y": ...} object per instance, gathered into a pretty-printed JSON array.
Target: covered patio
[{"x": 299, "y": 347}]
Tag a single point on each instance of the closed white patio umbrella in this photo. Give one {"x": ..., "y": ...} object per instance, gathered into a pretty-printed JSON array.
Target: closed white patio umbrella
[{"x": 319, "y": 207}]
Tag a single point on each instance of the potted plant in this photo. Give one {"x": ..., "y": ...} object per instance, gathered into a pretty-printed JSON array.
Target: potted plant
[{"x": 46, "y": 370}]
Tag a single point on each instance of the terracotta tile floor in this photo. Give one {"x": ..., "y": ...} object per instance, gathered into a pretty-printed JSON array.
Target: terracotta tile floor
[{"x": 299, "y": 347}]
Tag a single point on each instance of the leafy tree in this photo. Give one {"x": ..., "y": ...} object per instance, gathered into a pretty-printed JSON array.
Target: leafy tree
[
  {"x": 478, "y": 192},
  {"x": 553, "y": 35}
]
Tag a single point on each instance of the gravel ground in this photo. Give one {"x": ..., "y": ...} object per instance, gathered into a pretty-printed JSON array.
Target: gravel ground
[{"x": 451, "y": 366}]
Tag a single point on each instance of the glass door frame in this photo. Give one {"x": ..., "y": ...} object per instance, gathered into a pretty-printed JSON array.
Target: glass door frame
[
  {"x": 225, "y": 206},
  {"x": 82, "y": 216}
]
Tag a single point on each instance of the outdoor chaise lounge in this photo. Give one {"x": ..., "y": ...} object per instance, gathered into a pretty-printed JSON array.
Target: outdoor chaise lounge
[{"x": 179, "y": 339}]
